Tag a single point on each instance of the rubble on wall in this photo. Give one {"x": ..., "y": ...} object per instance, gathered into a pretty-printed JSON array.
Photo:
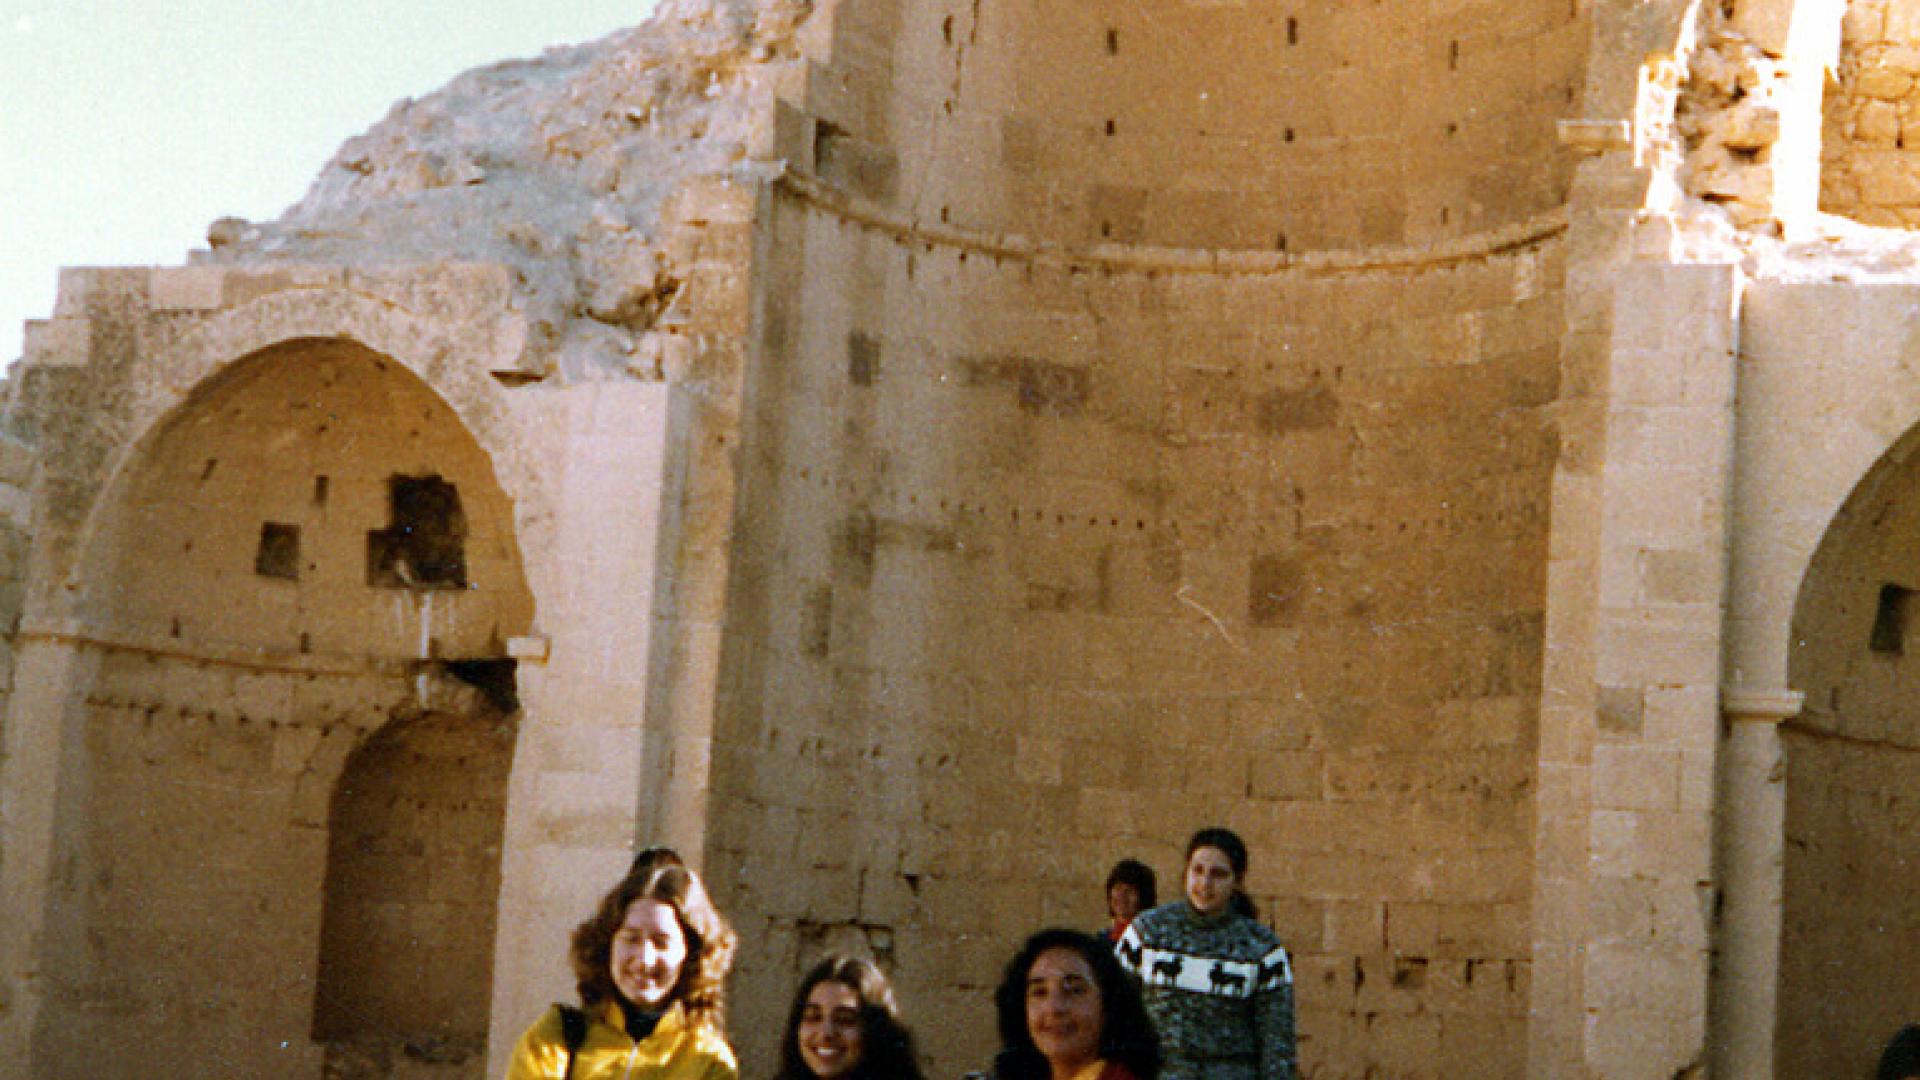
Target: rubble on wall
[
  {"x": 563, "y": 168},
  {"x": 1710, "y": 119},
  {"x": 1729, "y": 117},
  {"x": 1870, "y": 153}
]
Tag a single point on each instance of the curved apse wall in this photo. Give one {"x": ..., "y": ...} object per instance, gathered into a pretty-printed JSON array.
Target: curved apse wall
[
  {"x": 1293, "y": 126},
  {"x": 1054, "y": 546}
]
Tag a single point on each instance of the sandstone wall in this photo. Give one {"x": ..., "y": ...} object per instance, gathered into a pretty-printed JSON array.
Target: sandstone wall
[
  {"x": 1870, "y": 153},
  {"x": 1065, "y": 530},
  {"x": 225, "y": 607},
  {"x": 1045, "y": 563},
  {"x": 1264, "y": 127}
]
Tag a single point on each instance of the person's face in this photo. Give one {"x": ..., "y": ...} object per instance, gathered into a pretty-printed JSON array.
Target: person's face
[
  {"x": 1210, "y": 880},
  {"x": 830, "y": 1030},
  {"x": 648, "y": 950},
  {"x": 1123, "y": 901},
  {"x": 1064, "y": 1010}
]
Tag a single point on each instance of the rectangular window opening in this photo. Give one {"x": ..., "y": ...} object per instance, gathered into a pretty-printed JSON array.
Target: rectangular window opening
[{"x": 1890, "y": 620}]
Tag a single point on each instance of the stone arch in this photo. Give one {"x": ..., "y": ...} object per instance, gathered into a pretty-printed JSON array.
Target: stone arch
[
  {"x": 418, "y": 345},
  {"x": 1850, "y": 940},
  {"x": 250, "y": 602}
]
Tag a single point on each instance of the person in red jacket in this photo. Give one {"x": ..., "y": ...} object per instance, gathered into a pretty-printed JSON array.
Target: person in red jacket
[
  {"x": 1130, "y": 891},
  {"x": 1067, "y": 1011}
]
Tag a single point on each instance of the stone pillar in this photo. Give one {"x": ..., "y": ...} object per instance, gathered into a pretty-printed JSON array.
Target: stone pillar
[
  {"x": 34, "y": 760},
  {"x": 1752, "y": 842},
  {"x": 577, "y": 787}
]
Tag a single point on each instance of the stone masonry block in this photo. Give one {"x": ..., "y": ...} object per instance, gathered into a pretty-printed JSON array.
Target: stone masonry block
[
  {"x": 1621, "y": 710},
  {"x": 1654, "y": 844},
  {"x": 1664, "y": 508},
  {"x": 1674, "y": 437},
  {"x": 187, "y": 288},
  {"x": 1682, "y": 577},
  {"x": 1635, "y": 778},
  {"x": 1683, "y": 716},
  {"x": 58, "y": 342},
  {"x": 1355, "y": 926},
  {"x": 1637, "y": 977},
  {"x": 1674, "y": 308},
  {"x": 1626, "y": 1045},
  {"x": 1639, "y": 648}
]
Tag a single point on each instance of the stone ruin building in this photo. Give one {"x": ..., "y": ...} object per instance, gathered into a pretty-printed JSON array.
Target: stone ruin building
[{"x": 909, "y": 454}]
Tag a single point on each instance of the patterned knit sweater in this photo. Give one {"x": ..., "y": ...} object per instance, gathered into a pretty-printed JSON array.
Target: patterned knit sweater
[{"x": 1220, "y": 990}]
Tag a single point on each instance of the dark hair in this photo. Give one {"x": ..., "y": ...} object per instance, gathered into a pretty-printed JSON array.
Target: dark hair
[
  {"x": 886, "y": 1046},
  {"x": 1137, "y": 874},
  {"x": 646, "y": 860},
  {"x": 1230, "y": 845},
  {"x": 701, "y": 987},
  {"x": 1126, "y": 1034},
  {"x": 1901, "y": 1059}
]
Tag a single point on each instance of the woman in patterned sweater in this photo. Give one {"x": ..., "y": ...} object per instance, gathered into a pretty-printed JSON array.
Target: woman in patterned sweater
[{"x": 1218, "y": 985}]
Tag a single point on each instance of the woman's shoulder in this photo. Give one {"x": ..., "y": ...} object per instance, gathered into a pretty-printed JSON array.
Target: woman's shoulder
[
  {"x": 542, "y": 1048},
  {"x": 704, "y": 1038},
  {"x": 1116, "y": 1070},
  {"x": 549, "y": 1029},
  {"x": 1259, "y": 932},
  {"x": 1158, "y": 919}
]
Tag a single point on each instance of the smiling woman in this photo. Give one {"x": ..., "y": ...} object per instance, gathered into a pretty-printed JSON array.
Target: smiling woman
[
  {"x": 651, "y": 965},
  {"x": 1067, "y": 1011},
  {"x": 844, "y": 1025},
  {"x": 1218, "y": 984}
]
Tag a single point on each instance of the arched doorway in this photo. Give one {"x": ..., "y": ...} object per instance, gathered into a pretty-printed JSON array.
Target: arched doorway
[
  {"x": 1850, "y": 940},
  {"x": 413, "y": 869},
  {"x": 305, "y": 550}
]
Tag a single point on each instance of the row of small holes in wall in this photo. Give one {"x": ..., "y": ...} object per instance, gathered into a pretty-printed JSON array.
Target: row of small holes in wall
[
  {"x": 980, "y": 510},
  {"x": 149, "y": 712},
  {"x": 1469, "y": 510}
]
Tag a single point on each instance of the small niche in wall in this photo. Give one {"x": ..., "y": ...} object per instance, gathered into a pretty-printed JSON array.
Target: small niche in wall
[
  {"x": 279, "y": 553},
  {"x": 424, "y": 544},
  {"x": 1890, "y": 620}
]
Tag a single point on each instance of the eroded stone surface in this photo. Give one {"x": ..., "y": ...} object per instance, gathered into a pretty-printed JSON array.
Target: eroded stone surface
[{"x": 561, "y": 167}]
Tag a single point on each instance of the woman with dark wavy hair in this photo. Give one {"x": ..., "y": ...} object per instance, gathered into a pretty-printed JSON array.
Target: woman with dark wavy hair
[
  {"x": 650, "y": 967},
  {"x": 1068, "y": 1012},
  {"x": 844, "y": 1025}
]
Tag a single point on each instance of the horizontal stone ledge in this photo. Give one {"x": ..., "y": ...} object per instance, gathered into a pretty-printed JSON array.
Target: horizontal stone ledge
[{"x": 1511, "y": 239}]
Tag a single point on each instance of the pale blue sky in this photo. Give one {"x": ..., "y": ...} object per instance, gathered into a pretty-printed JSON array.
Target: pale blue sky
[{"x": 127, "y": 125}]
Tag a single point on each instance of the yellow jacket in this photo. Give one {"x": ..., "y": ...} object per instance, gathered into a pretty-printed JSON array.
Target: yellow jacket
[{"x": 675, "y": 1051}]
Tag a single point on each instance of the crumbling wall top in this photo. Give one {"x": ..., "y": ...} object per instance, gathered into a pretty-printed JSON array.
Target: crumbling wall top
[{"x": 563, "y": 168}]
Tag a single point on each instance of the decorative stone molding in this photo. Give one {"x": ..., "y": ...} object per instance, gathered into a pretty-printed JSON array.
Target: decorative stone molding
[{"x": 1767, "y": 706}]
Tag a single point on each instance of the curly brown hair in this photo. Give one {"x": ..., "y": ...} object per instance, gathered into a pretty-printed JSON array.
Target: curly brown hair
[{"x": 701, "y": 989}]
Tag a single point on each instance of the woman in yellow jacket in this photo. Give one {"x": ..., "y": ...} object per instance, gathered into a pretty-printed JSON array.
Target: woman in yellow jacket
[{"x": 650, "y": 966}]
